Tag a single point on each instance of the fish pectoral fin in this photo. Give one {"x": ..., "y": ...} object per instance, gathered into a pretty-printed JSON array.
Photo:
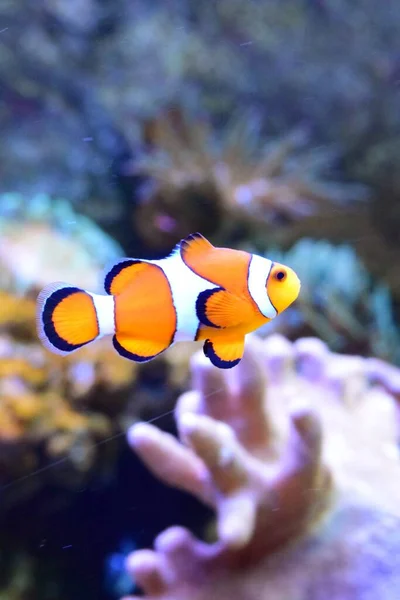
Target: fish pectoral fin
[
  {"x": 138, "y": 350},
  {"x": 220, "y": 309},
  {"x": 224, "y": 354},
  {"x": 123, "y": 273}
]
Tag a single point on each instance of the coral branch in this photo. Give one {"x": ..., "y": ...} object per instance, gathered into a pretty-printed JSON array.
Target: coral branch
[{"x": 253, "y": 445}]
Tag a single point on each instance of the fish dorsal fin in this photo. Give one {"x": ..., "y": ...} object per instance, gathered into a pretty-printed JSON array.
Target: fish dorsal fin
[
  {"x": 194, "y": 245},
  {"x": 175, "y": 250},
  {"x": 224, "y": 267},
  {"x": 122, "y": 274}
]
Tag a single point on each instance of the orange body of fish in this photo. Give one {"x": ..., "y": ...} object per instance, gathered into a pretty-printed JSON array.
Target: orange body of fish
[{"x": 199, "y": 292}]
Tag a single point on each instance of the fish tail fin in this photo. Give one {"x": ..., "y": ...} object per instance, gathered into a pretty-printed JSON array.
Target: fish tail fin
[{"x": 68, "y": 317}]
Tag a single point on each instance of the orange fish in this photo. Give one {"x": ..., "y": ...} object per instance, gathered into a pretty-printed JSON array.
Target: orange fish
[{"x": 198, "y": 292}]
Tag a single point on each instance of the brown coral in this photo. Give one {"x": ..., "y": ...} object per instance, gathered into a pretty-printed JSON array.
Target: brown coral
[
  {"x": 49, "y": 412},
  {"x": 254, "y": 443},
  {"x": 243, "y": 184}
]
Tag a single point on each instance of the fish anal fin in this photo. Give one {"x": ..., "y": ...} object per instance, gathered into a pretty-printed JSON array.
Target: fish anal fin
[
  {"x": 138, "y": 350},
  {"x": 224, "y": 354},
  {"x": 220, "y": 309},
  {"x": 122, "y": 273}
]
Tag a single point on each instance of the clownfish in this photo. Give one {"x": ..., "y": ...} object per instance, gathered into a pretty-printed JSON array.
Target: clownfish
[{"x": 199, "y": 292}]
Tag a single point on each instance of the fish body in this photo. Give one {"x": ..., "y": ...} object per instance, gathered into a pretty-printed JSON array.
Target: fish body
[{"x": 197, "y": 293}]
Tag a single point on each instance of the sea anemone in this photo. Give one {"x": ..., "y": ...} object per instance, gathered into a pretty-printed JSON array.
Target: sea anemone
[{"x": 240, "y": 184}]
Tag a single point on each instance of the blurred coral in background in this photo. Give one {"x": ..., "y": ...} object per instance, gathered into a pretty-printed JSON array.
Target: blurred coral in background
[
  {"x": 55, "y": 407},
  {"x": 339, "y": 301},
  {"x": 42, "y": 395},
  {"x": 240, "y": 185}
]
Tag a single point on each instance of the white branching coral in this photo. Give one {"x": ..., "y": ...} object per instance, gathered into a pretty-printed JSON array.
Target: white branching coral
[{"x": 291, "y": 432}]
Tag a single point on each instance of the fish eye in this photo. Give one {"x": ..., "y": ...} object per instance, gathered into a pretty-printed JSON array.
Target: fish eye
[{"x": 280, "y": 275}]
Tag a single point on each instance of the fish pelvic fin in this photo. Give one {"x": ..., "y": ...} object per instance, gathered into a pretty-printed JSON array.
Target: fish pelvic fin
[{"x": 224, "y": 354}]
